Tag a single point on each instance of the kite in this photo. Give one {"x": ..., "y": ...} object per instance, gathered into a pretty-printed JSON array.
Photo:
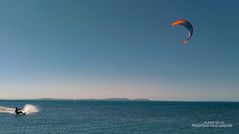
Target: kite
[{"x": 187, "y": 25}]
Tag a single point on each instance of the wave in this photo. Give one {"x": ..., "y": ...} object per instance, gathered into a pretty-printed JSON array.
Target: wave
[{"x": 28, "y": 109}]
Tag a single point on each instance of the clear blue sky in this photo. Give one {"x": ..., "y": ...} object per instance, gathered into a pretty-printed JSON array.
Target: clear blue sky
[{"x": 119, "y": 48}]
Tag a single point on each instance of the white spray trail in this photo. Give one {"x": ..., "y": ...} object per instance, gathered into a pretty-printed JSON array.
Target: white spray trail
[
  {"x": 7, "y": 110},
  {"x": 28, "y": 109}
]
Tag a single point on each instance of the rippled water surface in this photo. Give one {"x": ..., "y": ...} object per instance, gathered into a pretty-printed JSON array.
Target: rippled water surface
[{"x": 120, "y": 117}]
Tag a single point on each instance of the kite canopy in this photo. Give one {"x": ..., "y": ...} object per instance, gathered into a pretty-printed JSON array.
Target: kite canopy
[{"x": 187, "y": 25}]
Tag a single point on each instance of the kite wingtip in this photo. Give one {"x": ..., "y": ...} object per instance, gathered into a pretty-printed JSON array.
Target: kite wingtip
[{"x": 185, "y": 42}]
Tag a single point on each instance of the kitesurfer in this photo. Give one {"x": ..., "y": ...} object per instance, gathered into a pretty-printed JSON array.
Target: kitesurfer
[{"x": 19, "y": 111}]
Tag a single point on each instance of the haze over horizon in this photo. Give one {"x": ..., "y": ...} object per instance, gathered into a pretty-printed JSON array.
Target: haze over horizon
[{"x": 84, "y": 49}]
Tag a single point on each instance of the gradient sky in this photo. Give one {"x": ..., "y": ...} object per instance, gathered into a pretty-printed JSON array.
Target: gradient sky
[{"x": 119, "y": 48}]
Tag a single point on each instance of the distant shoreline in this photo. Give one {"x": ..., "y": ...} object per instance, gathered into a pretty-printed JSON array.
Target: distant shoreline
[{"x": 114, "y": 99}]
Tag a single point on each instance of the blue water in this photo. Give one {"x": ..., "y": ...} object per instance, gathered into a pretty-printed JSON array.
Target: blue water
[{"x": 112, "y": 117}]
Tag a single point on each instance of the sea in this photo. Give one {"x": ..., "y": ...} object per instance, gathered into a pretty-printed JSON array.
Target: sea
[{"x": 119, "y": 117}]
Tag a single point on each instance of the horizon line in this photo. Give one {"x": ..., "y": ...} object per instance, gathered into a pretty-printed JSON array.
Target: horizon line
[{"x": 117, "y": 99}]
